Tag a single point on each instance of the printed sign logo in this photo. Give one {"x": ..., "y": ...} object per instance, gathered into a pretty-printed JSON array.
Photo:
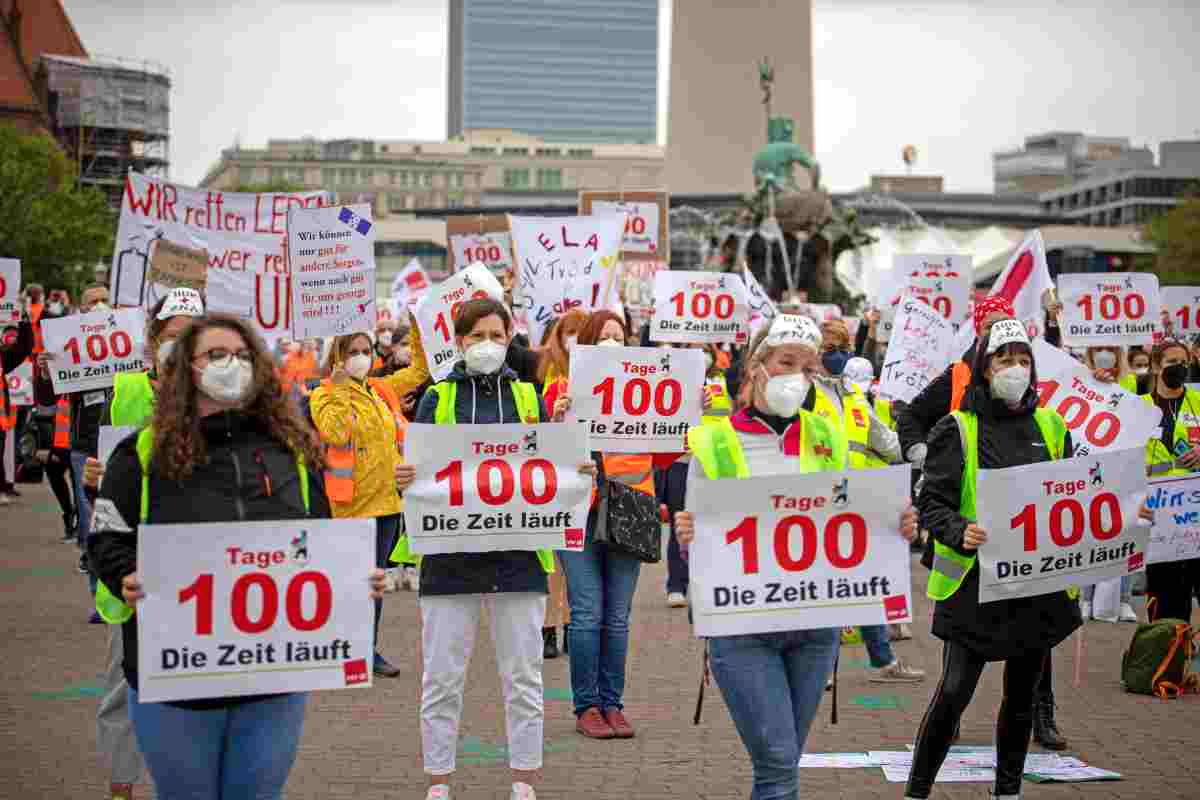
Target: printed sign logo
[
  {"x": 354, "y": 221},
  {"x": 575, "y": 537},
  {"x": 1096, "y": 475},
  {"x": 355, "y": 671},
  {"x": 841, "y": 492},
  {"x": 300, "y": 548},
  {"x": 530, "y": 443},
  {"x": 895, "y": 607},
  {"x": 1136, "y": 561}
]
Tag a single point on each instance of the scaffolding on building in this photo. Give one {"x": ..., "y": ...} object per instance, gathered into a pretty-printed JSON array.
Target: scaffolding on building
[{"x": 111, "y": 115}]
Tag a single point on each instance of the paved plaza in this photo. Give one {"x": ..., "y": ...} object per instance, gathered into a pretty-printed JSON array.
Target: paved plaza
[{"x": 366, "y": 743}]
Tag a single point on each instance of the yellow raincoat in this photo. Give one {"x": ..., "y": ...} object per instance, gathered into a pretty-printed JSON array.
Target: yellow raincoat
[{"x": 348, "y": 411}]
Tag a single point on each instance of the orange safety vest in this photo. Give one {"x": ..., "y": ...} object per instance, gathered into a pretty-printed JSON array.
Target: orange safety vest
[
  {"x": 960, "y": 379},
  {"x": 339, "y": 476},
  {"x": 62, "y": 423},
  {"x": 8, "y": 411},
  {"x": 635, "y": 470},
  {"x": 35, "y": 317}
]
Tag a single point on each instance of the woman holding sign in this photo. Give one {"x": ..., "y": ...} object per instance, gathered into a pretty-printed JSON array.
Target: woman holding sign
[
  {"x": 998, "y": 425},
  {"x": 362, "y": 427},
  {"x": 455, "y": 587},
  {"x": 773, "y": 682},
  {"x": 224, "y": 445},
  {"x": 1171, "y": 584}
]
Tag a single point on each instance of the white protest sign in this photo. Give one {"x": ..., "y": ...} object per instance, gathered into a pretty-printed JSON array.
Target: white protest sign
[
  {"x": 109, "y": 437},
  {"x": 482, "y": 488},
  {"x": 1112, "y": 308},
  {"x": 410, "y": 285},
  {"x": 1176, "y": 532},
  {"x": 436, "y": 313},
  {"x": 943, "y": 281},
  {"x": 1182, "y": 306},
  {"x": 1062, "y": 523},
  {"x": 493, "y": 250},
  {"x": 1102, "y": 417},
  {"x": 700, "y": 307},
  {"x": 242, "y": 232},
  {"x": 564, "y": 263},
  {"x": 636, "y": 399},
  {"x": 89, "y": 349},
  {"x": 794, "y": 552},
  {"x": 643, "y": 225},
  {"x": 264, "y": 300},
  {"x": 20, "y": 385},
  {"x": 246, "y": 608},
  {"x": 331, "y": 252},
  {"x": 918, "y": 350},
  {"x": 761, "y": 306},
  {"x": 10, "y": 290}
]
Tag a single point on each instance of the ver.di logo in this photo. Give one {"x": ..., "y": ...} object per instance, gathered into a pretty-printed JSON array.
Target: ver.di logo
[
  {"x": 841, "y": 492},
  {"x": 1096, "y": 475},
  {"x": 300, "y": 548}
]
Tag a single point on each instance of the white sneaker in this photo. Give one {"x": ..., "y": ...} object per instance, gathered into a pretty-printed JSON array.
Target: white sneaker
[
  {"x": 438, "y": 792},
  {"x": 409, "y": 580},
  {"x": 1127, "y": 614},
  {"x": 4, "y": 499},
  {"x": 390, "y": 580},
  {"x": 522, "y": 791},
  {"x": 898, "y": 672},
  {"x": 1085, "y": 609},
  {"x": 676, "y": 600}
]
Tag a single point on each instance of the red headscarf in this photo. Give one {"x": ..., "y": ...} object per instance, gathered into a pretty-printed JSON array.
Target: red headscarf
[{"x": 990, "y": 305}]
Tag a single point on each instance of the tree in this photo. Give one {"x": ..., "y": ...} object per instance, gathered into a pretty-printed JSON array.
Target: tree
[
  {"x": 269, "y": 187},
  {"x": 59, "y": 229},
  {"x": 1176, "y": 237}
]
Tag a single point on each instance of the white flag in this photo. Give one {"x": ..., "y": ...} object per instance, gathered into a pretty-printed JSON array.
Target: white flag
[{"x": 1025, "y": 280}]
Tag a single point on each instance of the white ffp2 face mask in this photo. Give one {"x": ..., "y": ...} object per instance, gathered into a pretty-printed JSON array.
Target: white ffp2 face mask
[
  {"x": 358, "y": 366},
  {"x": 228, "y": 381},
  {"x": 485, "y": 358},
  {"x": 785, "y": 394},
  {"x": 569, "y": 342},
  {"x": 1104, "y": 359},
  {"x": 1010, "y": 385},
  {"x": 609, "y": 343},
  {"x": 385, "y": 338}
]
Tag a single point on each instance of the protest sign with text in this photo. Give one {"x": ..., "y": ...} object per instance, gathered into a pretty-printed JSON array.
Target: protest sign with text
[
  {"x": 174, "y": 265},
  {"x": 762, "y": 309},
  {"x": 941, "y": 280},
  {"x": 264, "y": 300},
  {"x": 482, "y": 488},
  {"x": 483, "y": 238},
  {"x": 109, "y": 437},
  {"x": 1055, "y": 524},
  {"x": 20, "y": 384},
  {"x": 252, "y": 608},
  {"x": 87, "y": 350},
  {"x": 1102, "y": 417},
  {"x": 918, "y": 350},
  {"x": 564, "y": 263},
  {"x": 410, "y": 286},
  {"x": 794, "y": 552},
  {"x": 332, "y": 259},
  {"x": 636, "y": 399},
  {"x": 10, "y": 290},
  {"x": 1182, "y": 306},
  {"x": 647, "y": 219},
  {"x": 700, "y": 307},
  {"x": 242, "y": 232},
  {"x": 1176, "y": 505},
  {"x": 1112, "y": 308},
  {"x": 436, "y": 313}
]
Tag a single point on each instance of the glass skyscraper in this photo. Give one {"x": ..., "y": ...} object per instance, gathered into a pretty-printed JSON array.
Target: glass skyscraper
[{"x": 563, "y": 70}]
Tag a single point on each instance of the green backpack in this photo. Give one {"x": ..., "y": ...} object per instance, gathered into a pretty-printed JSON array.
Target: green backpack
[{"x": 1159, "y": 659}]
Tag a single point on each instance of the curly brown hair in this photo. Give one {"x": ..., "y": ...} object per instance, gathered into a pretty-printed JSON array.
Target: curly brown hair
[{"x": 178, "y": 443}]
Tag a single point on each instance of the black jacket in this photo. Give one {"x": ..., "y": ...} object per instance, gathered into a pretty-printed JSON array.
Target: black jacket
[
  {"x": 14, "y": 356},
  {"x": 915, "y": 420},
  {"x": 1007, "y": 628},
  {"x": 483, "y": 400},
  {"x": 232, "y": 486}
]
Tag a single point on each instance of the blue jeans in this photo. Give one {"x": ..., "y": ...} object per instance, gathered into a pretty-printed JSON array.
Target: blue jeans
[
  {"x": 83, "y": 511},
  {"x": 772, "y": 684},
  {"x": 600, "y": 585},
  {"x": 243, "y": 752},
  {"x": 879, "y": 645}
]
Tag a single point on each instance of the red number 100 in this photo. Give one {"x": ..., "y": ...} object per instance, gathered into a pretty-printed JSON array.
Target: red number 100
[
  {"x": 746, "y": 532},
  {"x": 453, "y": 473},
  {"x": 239, "y": 606}
]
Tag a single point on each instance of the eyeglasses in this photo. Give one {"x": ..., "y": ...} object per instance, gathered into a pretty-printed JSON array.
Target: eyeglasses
[{"x": 219, "y": 355}]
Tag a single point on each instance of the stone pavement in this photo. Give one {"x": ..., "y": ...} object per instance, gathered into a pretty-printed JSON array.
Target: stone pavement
[{"x": 366, "y": 743}]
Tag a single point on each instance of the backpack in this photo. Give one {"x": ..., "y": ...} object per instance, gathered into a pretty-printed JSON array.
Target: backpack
[{"x": 1159, "y": 659}]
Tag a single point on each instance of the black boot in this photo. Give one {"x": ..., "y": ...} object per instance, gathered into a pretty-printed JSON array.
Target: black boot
[
  {"x": 549, "y": 643},
  {"x": 566, "y": 638},
  {"x": 1045, "y": 730},
  {"x": 70, "y": 526}
]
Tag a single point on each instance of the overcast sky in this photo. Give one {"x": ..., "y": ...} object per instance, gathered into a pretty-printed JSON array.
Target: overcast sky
[{"x": 958, "y": 79}]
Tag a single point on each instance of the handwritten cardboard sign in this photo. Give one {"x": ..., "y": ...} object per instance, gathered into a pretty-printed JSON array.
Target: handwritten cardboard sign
[{"x": 647, "y": 221}]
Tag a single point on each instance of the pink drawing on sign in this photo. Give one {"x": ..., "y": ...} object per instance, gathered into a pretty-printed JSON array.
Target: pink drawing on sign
[
  {"x": 895, "y": 607},
  {"x": 355, "y": 671},
  {"x": 1136, "y": 560}
]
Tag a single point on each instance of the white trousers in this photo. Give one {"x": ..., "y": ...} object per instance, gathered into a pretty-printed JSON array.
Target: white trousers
[{"x": 448, "y": 627}]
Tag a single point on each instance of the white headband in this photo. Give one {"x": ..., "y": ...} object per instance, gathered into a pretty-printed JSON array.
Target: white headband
[
  {"x": 793, "y": 329},
  {"x": 182, "y": 302},
  {"x": 1006, "y": 331}
]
